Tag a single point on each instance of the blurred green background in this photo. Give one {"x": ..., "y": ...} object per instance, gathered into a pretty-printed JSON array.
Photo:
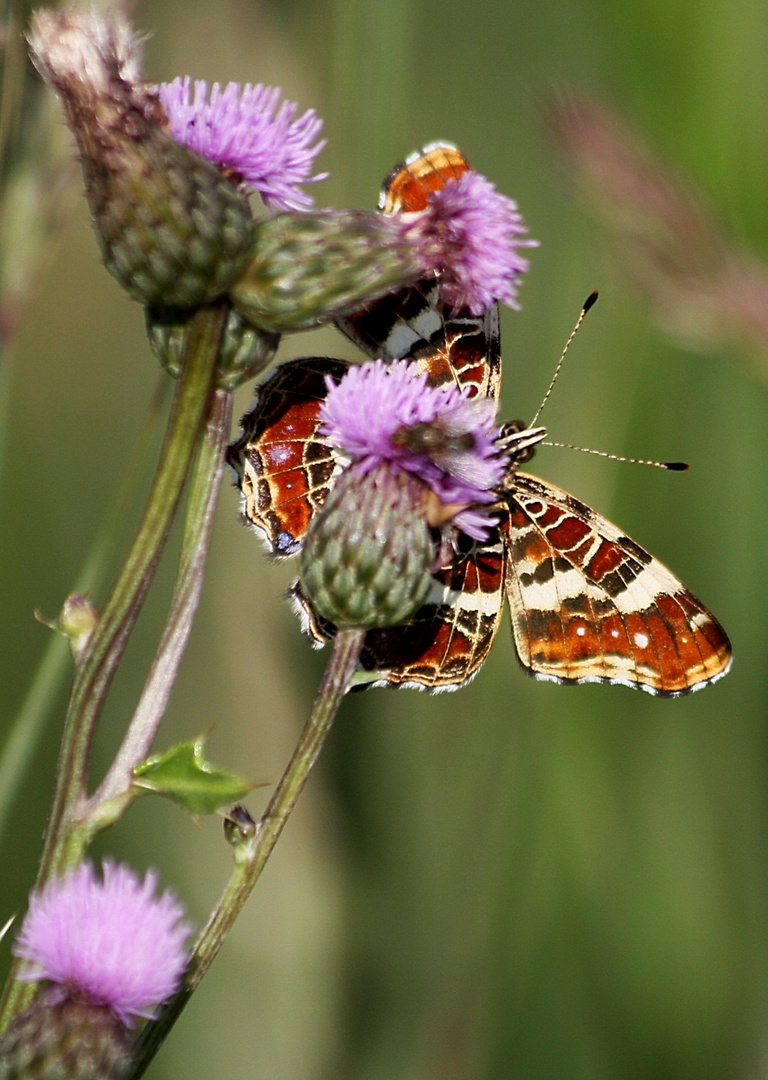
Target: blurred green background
[{"x": 521, "y": 880}]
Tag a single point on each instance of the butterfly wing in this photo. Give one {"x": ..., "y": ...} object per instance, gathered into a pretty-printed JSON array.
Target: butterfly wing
[
  {"x": 413, "y": 323},
  {"x": 423, "y": 173},
  {"x": 444, "y": 645},
  {"x": 588, "y": 604},
  {"x": 284, "y": 468}
]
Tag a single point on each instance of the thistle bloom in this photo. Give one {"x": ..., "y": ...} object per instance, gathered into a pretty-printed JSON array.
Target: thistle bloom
[
  {"x": 248, "y": 133},
  {"x": 472, "y": 235},
  {"x": 381, "y": 412},
  {"x": 172, "y": 229},
  {"x": 111, "y": 942}
]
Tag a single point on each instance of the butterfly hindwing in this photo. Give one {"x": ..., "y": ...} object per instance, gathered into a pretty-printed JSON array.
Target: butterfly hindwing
[
  {"x": 283, "y": 466},
  {"x": 448, "y": 639},
  {"x": 413, "y": 323}
]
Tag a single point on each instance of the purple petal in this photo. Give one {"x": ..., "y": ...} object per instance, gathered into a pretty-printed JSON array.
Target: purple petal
[
  {"x": 472, "y": 235},
  {"x": 381, "y": 412}
]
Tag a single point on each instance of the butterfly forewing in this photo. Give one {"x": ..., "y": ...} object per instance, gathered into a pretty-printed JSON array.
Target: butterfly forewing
[
  {"x": 588, "y": 604},
  {"x": 410, "y": 184}
]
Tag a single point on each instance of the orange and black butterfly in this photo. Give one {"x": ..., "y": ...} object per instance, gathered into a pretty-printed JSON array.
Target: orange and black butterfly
[{"x": 587, "y": 603}]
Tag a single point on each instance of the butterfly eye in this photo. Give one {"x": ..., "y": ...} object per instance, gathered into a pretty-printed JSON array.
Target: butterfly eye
[{"x": 518, "y": 442}]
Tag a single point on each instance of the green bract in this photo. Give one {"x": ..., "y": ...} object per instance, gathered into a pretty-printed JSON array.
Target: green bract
[
  {"x": 368, "y": 555},
  {"x": 307, "y": 269}
]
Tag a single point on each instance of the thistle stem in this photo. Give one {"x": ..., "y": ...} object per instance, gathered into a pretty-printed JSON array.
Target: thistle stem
[
  {"x": 252, "y": 855},
  {"x": 64, "y": 843},
  {"x": 203, "y": 495}
]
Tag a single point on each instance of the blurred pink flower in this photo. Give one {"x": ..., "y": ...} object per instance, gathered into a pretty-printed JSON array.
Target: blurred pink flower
[{"x": 112, "y": 941}]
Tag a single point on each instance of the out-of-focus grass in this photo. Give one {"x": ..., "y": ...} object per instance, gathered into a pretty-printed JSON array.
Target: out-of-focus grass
[{"x": 520, "y": 880}]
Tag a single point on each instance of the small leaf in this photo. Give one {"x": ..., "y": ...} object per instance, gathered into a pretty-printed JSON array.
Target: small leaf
[{"x": 183, "y": 774}]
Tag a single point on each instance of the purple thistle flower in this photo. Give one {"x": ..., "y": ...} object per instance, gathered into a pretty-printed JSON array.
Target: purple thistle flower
[
  {"x": 380, "y": 412},
  {"x": 472, "y": 235},
  {"x": 111, "y": 941},
  {"x": 248, "y": 132}
]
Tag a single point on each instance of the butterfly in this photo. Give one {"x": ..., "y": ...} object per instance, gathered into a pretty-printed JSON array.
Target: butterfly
[{"x": 587, "y": 603}]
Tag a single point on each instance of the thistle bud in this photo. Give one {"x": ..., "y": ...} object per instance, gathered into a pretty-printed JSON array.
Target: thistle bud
[
  {"x": 77, "y": 621},
  {"x": 65, "y": 1037},
  {"x": 244, "y": 352},
  {"x": 306, "y": 269},
  {"x": 171, "y": 228},
  {"x": 368, "y": 555}
]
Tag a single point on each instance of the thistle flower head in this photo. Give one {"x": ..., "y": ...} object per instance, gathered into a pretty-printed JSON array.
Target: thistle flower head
[
  {"x": 381, "y": 412},
  {"x": 111, "y": 942},
  {"x": 172, "y": 229},
  {"x": 248, "y": 132},
  {"x": 472, "y": 235}
]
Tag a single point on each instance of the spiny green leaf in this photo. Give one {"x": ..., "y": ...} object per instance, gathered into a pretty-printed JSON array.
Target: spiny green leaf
[{"x": 183, "y": 774}]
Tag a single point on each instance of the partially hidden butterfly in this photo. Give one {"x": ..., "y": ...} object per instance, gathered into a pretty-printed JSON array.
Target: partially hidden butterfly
[{"x": 588, "y": 604}]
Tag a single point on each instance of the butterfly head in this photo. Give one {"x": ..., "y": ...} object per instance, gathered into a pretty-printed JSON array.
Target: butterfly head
[{"x": 518, "y": 442}]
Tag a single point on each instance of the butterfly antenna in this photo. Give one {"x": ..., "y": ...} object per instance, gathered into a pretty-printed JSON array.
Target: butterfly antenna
[
  {"x": 588, "y": 303},
  {"x": 673, "y": 466}
]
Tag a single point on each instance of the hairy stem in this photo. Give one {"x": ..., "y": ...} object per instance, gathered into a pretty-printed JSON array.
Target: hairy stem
[
  {"x": 31, "y": 721},
  {"x": 203, "y": 495}
]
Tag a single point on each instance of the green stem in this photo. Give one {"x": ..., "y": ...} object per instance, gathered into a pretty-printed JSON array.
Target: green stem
[
  {"x": 201, "y": 506},
  {"x": 96, "y": 671},
  {"x": 63, "y": 845},
  {"x": 252, "y": 855}
]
